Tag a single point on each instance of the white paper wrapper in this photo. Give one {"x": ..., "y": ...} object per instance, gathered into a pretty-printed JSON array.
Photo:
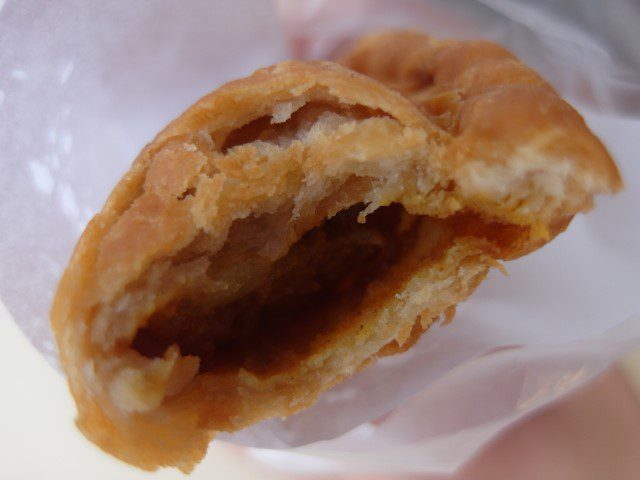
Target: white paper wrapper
[{"x": 84, "y": 85}]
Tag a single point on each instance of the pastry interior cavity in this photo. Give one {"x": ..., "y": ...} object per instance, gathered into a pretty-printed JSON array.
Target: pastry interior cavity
[
  {"x": 284, "y": 281},
  {"x": 287, "y": 305}
]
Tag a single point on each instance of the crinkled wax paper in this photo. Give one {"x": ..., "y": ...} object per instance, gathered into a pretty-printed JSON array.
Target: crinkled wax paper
[{"x": 84, "y": 85}]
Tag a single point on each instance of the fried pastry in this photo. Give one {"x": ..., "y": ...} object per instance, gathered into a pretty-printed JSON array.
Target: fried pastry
[
  {"x": 285, "y": 231},
  {"x": 503, "y": 119}
]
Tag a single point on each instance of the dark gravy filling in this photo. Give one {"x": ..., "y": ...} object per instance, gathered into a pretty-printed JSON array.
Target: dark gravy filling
[{"x": 305, "y": 296}]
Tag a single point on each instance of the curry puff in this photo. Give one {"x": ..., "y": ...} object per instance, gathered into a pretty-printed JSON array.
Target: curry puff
[{"x": 291, "y": 227}]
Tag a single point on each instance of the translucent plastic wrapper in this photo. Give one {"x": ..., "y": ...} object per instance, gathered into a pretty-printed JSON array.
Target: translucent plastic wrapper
[{"x": 84, "y": 85}]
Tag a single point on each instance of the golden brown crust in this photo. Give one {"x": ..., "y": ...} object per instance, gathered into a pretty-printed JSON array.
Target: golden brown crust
[
  {"x": 502, "y": 116},
  {"x": 220, "y": 212}
]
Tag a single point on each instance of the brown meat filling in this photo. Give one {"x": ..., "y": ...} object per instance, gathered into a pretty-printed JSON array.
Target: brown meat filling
[{"x": 327, "y": 270}]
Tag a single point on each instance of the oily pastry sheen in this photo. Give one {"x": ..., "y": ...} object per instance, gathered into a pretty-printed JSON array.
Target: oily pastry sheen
[{"x": 286, "y": 230}]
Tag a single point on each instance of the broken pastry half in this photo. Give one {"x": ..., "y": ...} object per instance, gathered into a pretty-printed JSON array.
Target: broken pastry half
[{"x": 285, "y": 231}]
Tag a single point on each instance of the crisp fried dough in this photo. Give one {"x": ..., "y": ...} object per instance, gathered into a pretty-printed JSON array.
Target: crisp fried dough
[
  {"x": 510, "y": 132},
  {"x": 278, "y": 236}
]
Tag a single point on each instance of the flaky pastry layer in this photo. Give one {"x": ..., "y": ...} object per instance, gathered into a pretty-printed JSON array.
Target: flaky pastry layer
[{"x": 514, "y": 143}]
